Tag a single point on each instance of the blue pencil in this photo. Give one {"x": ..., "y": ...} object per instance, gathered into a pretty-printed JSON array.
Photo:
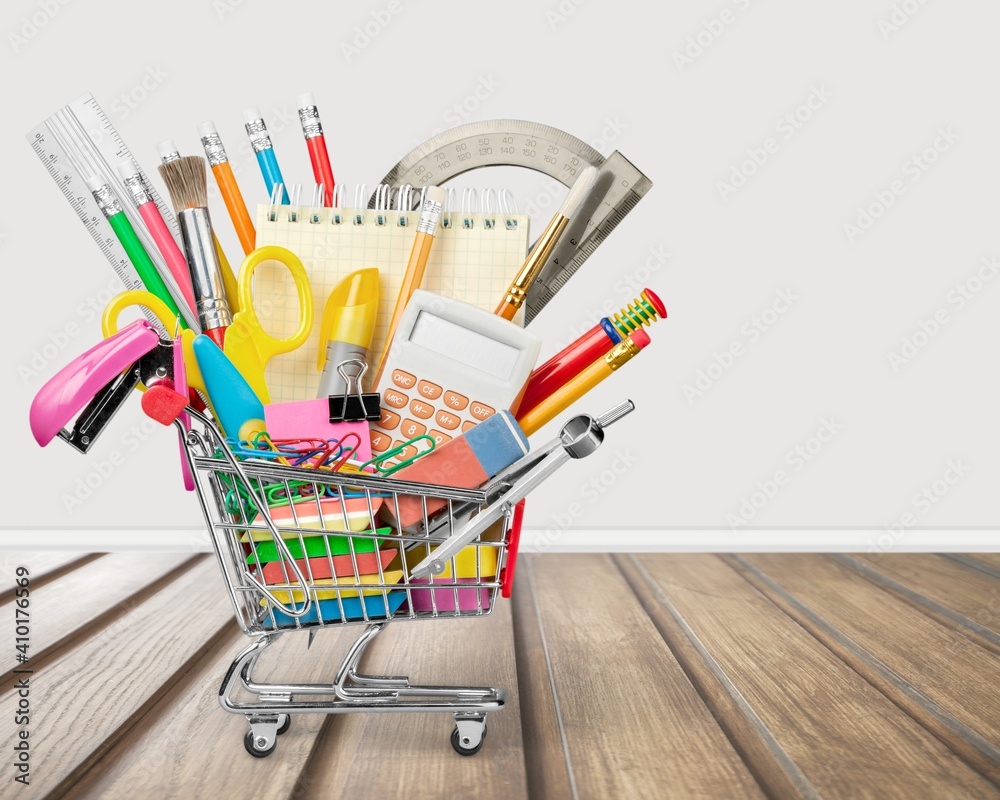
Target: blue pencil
[{"x": 260, "y": 140}]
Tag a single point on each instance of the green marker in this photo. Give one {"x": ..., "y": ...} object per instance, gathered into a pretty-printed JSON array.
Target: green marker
[{"x": 136, "y": 253}]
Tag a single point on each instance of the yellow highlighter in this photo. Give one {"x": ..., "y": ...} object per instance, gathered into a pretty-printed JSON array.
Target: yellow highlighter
[{"x": 346, "y": 330}]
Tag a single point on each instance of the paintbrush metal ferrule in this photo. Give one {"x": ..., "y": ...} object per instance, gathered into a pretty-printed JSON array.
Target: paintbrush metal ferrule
[
  {"x": 309, "y": 118},
  {"x": 517, "y": 293},
  {"x": 206, "y": 271},
  {"x": 260, "y": 139}
]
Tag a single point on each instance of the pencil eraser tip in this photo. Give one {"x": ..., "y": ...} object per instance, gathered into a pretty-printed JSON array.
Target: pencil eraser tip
[
  {"x": 640, "y": 338},
  {"x": 126, "y": 168},
  {"x": 436, "y": 194},
  {"x": 207, "y": 128},
  {"x": 95, "y": 182},
  {"x": 252, "y": 115},
  {"x": 166, "y": 148},
  {"x": 655, "y": 302},
  {"x": 305, "y": 100}
]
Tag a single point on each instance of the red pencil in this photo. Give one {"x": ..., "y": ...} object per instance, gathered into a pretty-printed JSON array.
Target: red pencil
[{"x": 312, "y": 129}]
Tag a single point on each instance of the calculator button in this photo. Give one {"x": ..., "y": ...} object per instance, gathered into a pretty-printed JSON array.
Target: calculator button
[
  {"x": 394, "y": 398},
  {"x": 411, "y": 428},
  {"x": 455, "y": 401},
  {"x": 447, "y": 421},
  {"x": 380, "y": 441},
  {"x": 421, "y": 409},
  {"x": 439, "y": 438},
  {"x": 388, "y": 421},
  {"x": 407, "y": 452},
  {"x": 468, "y": 426},
  {"x": 403, "y": 379},
  {"x": 481, "y": 411},
  {"x": 429, "y": 390}
]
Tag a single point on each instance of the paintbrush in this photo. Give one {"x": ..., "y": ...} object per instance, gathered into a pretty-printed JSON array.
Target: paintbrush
[
  {"x": 187, "y": 184},
  {"x": 517, "y": 292}
]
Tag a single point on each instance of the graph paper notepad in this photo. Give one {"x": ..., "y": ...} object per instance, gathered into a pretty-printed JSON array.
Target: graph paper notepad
[{"x": 473, "y": 259}]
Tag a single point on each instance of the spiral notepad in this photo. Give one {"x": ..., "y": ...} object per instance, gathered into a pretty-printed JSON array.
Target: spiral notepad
[{"x": 475, "y": 255}]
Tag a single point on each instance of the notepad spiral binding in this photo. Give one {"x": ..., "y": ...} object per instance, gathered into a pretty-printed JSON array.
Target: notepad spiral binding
[{"x": 396, "y": 205}]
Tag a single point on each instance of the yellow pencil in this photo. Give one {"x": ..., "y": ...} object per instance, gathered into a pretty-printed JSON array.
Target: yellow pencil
[
  {"x": 430, "y": 215},
  {"x": 580, "y": 384}
]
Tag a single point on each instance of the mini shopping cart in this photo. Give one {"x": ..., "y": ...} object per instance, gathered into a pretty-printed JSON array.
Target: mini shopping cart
[{"x": 302, "y": 549}]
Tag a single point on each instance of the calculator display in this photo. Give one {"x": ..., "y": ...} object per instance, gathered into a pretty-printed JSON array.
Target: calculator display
[{"x": 467, "y": 347}]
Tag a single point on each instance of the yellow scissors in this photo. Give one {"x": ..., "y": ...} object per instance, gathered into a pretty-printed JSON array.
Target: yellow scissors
[
  {"x": 247, "y": 344},
  {"x": 109, "y": 327}
]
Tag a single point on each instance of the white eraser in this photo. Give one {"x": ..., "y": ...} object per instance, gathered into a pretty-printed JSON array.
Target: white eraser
[
  {"x": 435, "y": 194},
  {"x": 252, "y": 115},
  {"x": 126, "y": 168},
  {"x": 95, "y": 182},
  {"x": 166, "y": 148},
  {"x": 305, "y": 100},
  {"x": 207, "y": 128}
]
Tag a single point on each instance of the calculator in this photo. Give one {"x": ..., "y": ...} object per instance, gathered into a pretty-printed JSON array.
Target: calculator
[{"x": 450, "y": 366}]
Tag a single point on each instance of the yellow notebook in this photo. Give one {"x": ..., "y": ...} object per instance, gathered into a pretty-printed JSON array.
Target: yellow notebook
[{"x": 474, "y": 258}]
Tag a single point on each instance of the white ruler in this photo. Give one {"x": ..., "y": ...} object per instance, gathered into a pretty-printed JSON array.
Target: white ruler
[{"x": 78, "y": 141}]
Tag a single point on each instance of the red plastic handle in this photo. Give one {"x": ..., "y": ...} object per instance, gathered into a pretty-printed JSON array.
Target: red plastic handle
[{"x": 507, "y": 573}]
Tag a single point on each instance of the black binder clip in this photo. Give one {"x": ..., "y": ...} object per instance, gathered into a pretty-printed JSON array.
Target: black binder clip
[{"x": 354, "y": 406}]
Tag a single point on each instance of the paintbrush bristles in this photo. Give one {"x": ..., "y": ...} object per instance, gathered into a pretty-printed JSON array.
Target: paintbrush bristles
[
  {"x": 579, "y": 191},
  {"x": 187, "y": 182}
]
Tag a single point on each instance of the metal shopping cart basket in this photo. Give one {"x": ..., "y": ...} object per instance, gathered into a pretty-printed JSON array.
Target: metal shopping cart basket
[{"x": 302, "y": 549}]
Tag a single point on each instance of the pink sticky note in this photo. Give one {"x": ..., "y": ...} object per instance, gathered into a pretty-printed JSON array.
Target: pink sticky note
[{"x": 307, "y": 419}]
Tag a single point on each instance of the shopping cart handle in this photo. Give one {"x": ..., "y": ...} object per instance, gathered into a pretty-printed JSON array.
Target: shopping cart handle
[{"x": 579, "y": 437}]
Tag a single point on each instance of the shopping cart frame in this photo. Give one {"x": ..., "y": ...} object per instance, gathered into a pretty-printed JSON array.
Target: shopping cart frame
[{"x": 233, "y": 495}]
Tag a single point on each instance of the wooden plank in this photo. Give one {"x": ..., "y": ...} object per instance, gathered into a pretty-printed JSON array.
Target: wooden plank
[
  {"x": 954, "y": 593},
  {"x": 189, "y": 747},
  {"x": 42, "y": 567},
  {"x": 544, "y": 754},
  {"x": 807, "y": 724},
  {"x": 942, "y": 679},
  {"x": 634, "y": 725},
  {"x": 400, "y": 754},
  {"x": 94, "y": 595},
  {"x": 991, "y": 560},
  {"x": 89, "y": 697}
]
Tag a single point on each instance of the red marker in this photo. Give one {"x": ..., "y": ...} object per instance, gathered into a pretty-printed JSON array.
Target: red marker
[
  {"x": 312, "y": 129},
  {"x": 594, "y": 344}
]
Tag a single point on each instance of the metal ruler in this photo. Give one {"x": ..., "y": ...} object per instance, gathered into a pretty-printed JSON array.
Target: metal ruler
[
  {"x": 78, "y": 141},
  {"x": 519, "y": 143}
]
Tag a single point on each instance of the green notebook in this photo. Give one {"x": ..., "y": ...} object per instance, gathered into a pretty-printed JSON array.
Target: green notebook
[{"x": 315, "y": 547}]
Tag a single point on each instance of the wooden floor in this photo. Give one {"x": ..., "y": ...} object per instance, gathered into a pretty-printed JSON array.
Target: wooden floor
[{"x": 660, "y": 676}]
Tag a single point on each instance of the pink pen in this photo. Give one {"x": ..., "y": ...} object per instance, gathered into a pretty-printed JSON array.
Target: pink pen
[{"x": 165, "y": 242}]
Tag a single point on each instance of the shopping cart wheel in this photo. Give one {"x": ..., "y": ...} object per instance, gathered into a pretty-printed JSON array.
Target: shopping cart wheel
[
  {"x": 285, "y": 725},
  {"x": 250, "y": 743},
  {"x": 468, "y": 738}
]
